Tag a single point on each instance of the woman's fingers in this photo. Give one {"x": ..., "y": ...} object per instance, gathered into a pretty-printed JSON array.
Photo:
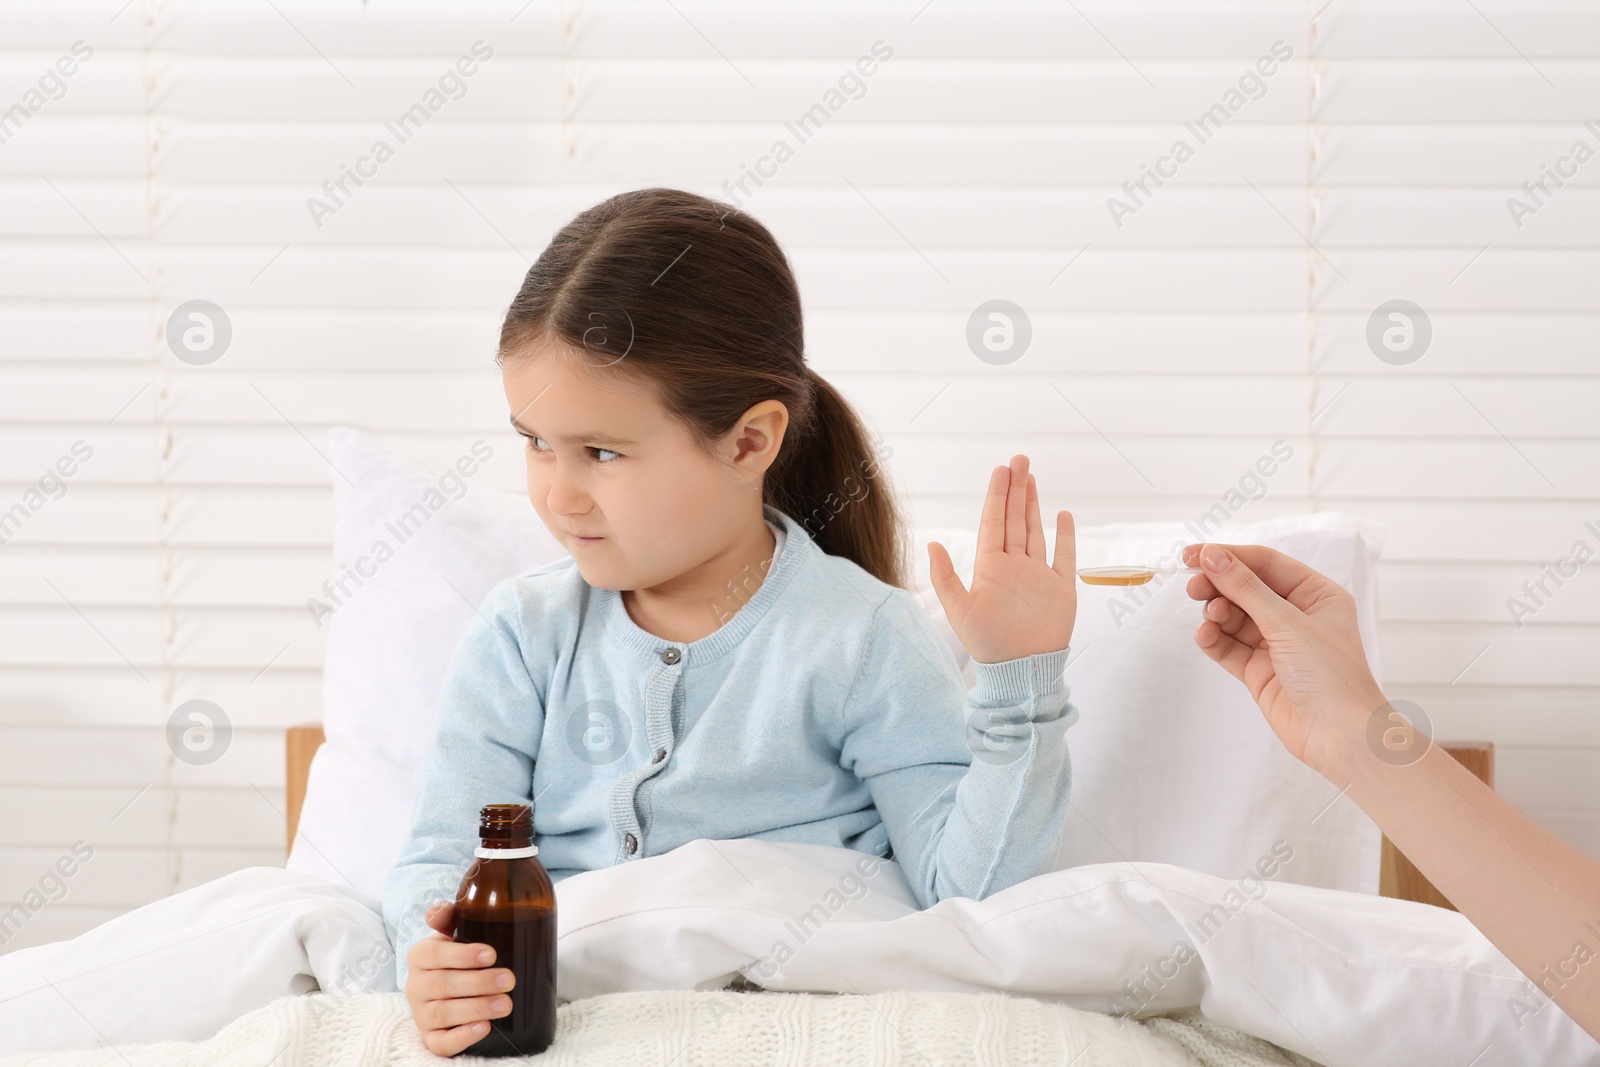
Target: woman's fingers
[
  {"x": 1280, "y": 574},
  {"x": 1200, "y": 588},
  {"x": 1234, "y": 579},
  {"x": 1234, "y": 621},
  {"x": 1232, "y": 654}
]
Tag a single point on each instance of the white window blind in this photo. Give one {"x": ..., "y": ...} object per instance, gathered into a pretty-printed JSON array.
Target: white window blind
[{"x": 1480, "y": 455}]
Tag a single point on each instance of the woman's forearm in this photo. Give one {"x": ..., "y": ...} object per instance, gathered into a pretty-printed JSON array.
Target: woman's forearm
[
  {"x": 1535, "y": 897},
  {"x": 1283, "y": 630}
]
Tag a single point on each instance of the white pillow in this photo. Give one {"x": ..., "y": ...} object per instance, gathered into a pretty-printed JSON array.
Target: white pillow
[
  {"x": 1172, "y": 761},
  {"x": 390, "y": 642},
  {"x": 1173, "y": 765}
]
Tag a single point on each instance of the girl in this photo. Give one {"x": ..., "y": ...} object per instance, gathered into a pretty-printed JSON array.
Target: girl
[{"x": 730, "y": 651}]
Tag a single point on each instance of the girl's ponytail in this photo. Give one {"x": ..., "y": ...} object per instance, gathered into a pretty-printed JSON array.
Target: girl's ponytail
[
  {"x": 829, "y": 479},
  {"x": 699, "y": 298}
]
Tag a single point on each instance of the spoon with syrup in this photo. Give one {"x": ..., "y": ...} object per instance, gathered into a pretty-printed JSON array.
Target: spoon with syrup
[{"x": 1127, "y": 574}]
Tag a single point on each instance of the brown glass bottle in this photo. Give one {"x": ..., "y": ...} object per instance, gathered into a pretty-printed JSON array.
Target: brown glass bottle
[{"x": 506, "y": 901}]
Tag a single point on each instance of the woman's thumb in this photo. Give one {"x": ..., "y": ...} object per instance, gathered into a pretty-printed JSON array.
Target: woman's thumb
[{"x": 1272, "y": 614}]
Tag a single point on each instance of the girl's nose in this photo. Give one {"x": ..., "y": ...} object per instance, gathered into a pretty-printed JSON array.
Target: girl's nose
[{"x": 567, "y": 498}]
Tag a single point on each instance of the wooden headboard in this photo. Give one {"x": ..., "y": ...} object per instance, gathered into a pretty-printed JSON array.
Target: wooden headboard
[
  {"x": 1396, "y": 878},
  {"x": 300, "y": 743}
]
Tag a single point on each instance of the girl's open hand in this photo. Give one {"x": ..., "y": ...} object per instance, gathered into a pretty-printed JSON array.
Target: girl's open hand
[{"x": 1019, "y": 604}]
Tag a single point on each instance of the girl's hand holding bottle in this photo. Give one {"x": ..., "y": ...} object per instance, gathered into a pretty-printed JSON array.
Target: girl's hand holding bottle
[
  {"x": 504, "y": 913},
  {"x": 453, "y": 991},
  {"x": 1019, "y": 603}
]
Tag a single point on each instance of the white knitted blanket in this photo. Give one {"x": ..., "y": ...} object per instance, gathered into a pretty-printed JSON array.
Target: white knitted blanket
[{"x": 684, "y": 1029}]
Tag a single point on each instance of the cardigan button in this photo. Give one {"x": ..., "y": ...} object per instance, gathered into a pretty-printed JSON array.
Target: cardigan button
[
  {"x": 630, "y": 844},
  {"x": 670, "y": 656}
]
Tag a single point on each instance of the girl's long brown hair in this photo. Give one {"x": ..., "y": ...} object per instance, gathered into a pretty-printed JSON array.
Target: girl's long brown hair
[{"x": 698, "y": 298}]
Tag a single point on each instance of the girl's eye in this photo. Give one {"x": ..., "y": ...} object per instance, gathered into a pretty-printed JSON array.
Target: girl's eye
[{"x": 535, "y": 443}]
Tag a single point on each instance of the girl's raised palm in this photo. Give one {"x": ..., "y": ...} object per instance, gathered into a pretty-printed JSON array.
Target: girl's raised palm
[{"x": 1020, "y": 604}]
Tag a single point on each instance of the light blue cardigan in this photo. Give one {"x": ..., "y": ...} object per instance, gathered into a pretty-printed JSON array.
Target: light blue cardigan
[{"x": 826, "y": 710}]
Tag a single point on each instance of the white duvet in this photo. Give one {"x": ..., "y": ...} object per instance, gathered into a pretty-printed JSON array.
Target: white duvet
[{"x": 1339, "y": 978}]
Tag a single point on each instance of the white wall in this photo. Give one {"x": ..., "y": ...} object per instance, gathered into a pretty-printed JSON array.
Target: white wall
[{"x": 1167, "y": 353}]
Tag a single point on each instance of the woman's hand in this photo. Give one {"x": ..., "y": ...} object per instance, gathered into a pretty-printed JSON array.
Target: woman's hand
[
  {"x": 1019, "y": 604},
  {"x": 453, "y": 991},
  {"x": 1289, "y": 634}
]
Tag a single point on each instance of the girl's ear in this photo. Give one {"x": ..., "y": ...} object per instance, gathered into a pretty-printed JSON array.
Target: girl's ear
[{"x": 753, "y": 442}]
